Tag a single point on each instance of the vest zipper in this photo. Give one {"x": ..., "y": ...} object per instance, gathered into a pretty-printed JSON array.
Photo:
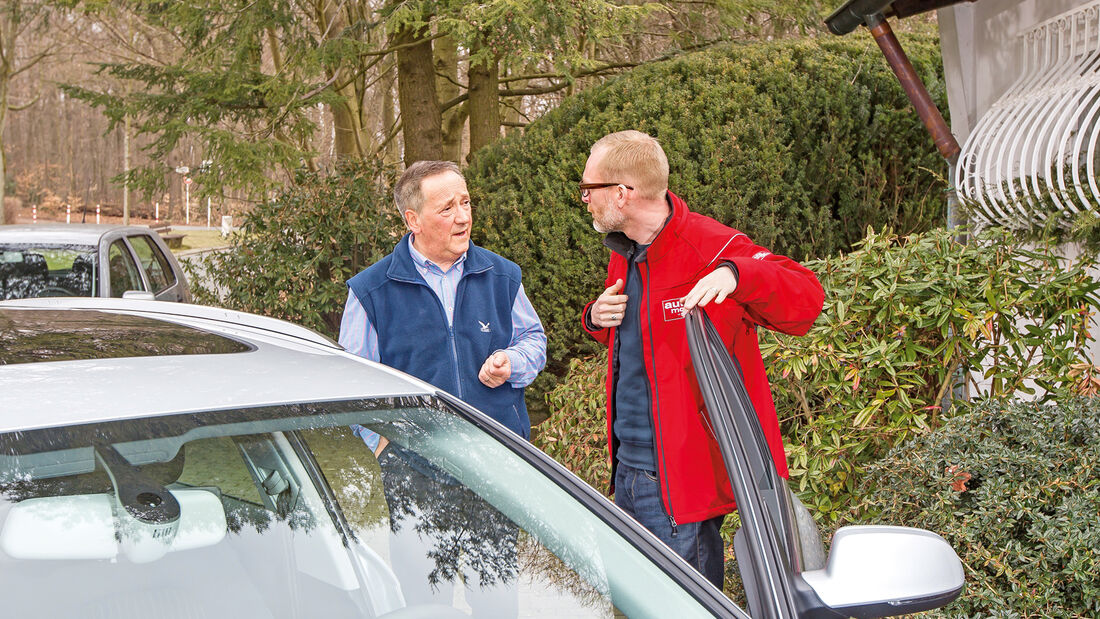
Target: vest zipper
[{"x": 454, "y": 356}]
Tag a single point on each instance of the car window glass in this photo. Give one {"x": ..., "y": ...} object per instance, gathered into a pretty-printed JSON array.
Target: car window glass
[
  {"x": 46, "y": 271},
  {"x": 296, "y": 517},
  {"x": 124, "y": 273},
  {"x": 153, "y": 261}
]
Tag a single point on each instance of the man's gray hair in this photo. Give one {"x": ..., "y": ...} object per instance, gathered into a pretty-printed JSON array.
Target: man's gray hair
[{"x": 406, "y": 193}]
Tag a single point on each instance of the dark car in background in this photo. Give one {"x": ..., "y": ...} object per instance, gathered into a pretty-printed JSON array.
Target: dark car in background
[{"x": 88, "y": 260}]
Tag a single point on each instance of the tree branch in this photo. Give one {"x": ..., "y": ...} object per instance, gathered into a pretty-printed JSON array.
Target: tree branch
[{"x": 20, "y": 108}]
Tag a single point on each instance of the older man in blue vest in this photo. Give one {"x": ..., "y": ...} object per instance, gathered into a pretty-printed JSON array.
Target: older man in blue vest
[
  {"x": 444, "y": 309},
  {"x": 455, "y": 315}
]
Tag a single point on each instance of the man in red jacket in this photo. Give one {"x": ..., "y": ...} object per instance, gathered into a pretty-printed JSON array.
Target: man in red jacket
[{"x": 667, "y": 469}]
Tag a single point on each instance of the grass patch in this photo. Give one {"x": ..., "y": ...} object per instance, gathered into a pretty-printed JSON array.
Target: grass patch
[{"x": 201, "y": 239}]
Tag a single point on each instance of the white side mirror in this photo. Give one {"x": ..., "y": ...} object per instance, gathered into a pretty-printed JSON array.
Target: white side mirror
[
  {"x": 140, "y": 295},
  {"x": 879, "y": 571}
]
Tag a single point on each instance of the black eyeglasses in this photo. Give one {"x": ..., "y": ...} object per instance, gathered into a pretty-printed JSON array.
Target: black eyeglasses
[{"x": 586, "y": 188}]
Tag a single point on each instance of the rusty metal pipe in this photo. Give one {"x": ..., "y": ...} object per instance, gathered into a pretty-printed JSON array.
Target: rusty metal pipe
[{"x": 914, "y": 87}]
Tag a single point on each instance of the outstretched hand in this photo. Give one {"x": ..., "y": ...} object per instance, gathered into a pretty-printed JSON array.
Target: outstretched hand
[{"x": 715, "y": 286}]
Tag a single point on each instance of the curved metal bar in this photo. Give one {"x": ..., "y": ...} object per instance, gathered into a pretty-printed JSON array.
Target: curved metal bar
[
  {"x": 1019, "y": 151},
  {"x": 1042, "y": 135}
]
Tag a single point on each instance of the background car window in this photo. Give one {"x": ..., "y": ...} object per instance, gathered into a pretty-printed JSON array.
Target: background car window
[
  {"x": 155, "y": 264},
  {"x": 124, "y": 273},
  {"x": 46, "y": 271}
]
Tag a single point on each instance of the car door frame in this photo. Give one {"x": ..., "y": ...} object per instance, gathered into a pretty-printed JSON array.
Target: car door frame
[
  {"x": 105, "y": 243},
  {"x": 178, "y": 291}
]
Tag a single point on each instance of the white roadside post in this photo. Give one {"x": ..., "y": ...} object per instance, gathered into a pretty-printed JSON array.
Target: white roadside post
[{"x": 185, "y": 170}]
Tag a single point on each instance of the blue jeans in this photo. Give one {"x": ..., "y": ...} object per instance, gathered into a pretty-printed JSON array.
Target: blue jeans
[{"x": 638, "y": 493}]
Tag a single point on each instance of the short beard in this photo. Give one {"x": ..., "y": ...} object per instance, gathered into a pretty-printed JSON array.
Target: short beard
[{"x": 606, "y": 225}]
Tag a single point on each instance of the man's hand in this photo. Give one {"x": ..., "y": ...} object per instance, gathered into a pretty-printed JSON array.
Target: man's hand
[
  {"x": 608, "y": 309},
  {"x": 382, "y": 442},
  {"x": 496, "y": 369},
  {"x": 715, "y": 286}
]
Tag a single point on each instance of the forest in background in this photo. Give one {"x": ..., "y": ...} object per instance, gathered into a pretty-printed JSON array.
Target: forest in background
[{"x": 98, "y": 95}]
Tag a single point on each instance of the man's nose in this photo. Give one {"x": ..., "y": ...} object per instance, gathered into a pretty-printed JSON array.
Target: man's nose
[{"x": 464, "y": 215}]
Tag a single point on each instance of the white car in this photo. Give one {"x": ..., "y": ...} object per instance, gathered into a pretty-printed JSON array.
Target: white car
[
  {"x": 88, "y": 260},
  {"x": 169, "y": 460}
]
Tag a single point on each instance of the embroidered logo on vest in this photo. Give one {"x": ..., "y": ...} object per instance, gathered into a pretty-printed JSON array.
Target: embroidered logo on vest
[
  {"x": 484, "y": 326},
  {"x": 673, "y": 309}
]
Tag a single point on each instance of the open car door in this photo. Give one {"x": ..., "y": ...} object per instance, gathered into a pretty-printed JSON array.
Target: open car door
[{"x": 871, "y": 571}]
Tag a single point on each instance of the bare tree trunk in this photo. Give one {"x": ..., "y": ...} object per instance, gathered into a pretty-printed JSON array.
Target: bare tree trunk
[
  {"x": 484, "y": 104},
  {"x": 126, "y": 170},
  {"x": 346, "y": 129},
  {"x": 420, "y": 117},
  {"x": 3, "y": 116},
  {"x": 389, "y": 116},
  {"x": 7, "y": 51},
  {"x": 447, "y": 88}
]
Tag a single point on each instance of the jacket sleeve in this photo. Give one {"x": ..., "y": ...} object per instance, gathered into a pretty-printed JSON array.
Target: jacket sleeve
[
  {"x": 776, "y": 292},
  {"x": 602, "y": 335}
]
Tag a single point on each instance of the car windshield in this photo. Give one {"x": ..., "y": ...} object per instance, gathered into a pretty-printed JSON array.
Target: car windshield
[
  {"x": 28, "y": 271},
  {"x": 286, "y": 511}
]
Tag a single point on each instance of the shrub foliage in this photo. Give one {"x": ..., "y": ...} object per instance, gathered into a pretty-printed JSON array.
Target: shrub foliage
[
  {"x": 800, "y": 144},
  {"x": 901, "y": 316},
  {"x": 1015, "y": 489},
  {"x": 292, "y": 255}
]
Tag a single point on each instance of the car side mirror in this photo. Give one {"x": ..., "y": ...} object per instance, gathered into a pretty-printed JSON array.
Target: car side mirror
[
  {"x": 140, "y": 295},
  {"x": 880, "y": 571}
]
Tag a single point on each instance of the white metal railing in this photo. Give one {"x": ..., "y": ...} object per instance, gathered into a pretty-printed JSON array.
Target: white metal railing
[{"x": 1036, "y": 146}]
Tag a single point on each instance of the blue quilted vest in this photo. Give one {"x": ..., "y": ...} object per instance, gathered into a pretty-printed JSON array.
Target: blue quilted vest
[{"x": 413, "y": 335}]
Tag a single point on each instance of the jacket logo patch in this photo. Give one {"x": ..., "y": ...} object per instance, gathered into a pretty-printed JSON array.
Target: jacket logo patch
[
  {"x": 760, "y": 255},
  {"x": 484, "y": 326},
  {"x": 673, "y": 309}
]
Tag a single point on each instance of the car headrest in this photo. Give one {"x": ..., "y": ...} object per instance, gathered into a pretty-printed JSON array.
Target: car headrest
[
  {"x": 82, "y": 264},
  {"x": 34, "y": 264}
]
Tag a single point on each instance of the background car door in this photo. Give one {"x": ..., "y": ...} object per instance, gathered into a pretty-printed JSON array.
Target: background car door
[
  {"x": 122, "y": 271},
  {"x": 162, "y": 278}
]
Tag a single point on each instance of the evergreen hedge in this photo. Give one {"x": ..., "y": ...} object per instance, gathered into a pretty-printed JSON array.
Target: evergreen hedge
[{"x": 800, "y": 144}]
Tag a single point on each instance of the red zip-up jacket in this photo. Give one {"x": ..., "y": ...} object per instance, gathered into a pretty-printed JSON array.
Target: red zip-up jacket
[{"x": 773, "y": 291}]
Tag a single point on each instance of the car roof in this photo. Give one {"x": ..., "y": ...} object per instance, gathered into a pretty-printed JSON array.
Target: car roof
[
  {"x": 282, "y": 363},
  {"x": 61, "y": 234}
]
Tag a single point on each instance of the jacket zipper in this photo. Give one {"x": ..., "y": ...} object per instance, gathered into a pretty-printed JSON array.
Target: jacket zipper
[
  {"x": 454, "y": 357},
  {"x": 662, "y": 473}
]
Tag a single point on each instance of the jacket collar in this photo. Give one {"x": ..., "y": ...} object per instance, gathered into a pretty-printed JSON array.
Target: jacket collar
[
  {"x": 624, "y": 246},
  {"x": 402, "y": 267}
]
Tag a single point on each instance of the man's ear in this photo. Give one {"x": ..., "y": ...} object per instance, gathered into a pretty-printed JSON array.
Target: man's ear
[
  {"x": 412, "y": 221},
  {"x": 620, "y": 196}
]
